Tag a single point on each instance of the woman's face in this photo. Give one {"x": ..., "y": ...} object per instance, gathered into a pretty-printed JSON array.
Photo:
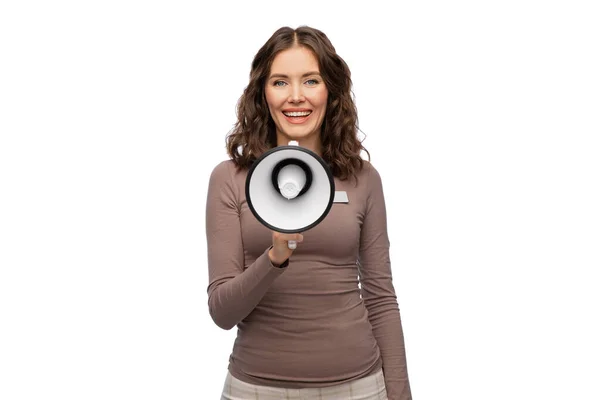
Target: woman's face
[{"x": 296, "y": 96}]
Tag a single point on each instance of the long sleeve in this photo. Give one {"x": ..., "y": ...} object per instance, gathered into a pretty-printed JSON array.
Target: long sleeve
[
  {"x": 233, "y": 291},
  {"x": 378, "y": 292}
]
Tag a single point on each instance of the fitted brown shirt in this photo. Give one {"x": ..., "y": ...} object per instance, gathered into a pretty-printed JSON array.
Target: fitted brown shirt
[{"x": 331, "y": 315}]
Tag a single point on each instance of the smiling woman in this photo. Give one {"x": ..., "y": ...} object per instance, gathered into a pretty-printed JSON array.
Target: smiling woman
[{"x": 306, "y": 329}]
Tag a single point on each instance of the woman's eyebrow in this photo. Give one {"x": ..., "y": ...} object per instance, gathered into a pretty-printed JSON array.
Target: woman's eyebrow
[{"x": 285, "y": 76}]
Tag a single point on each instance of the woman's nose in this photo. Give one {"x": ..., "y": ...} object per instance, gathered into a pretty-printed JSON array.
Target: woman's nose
[{"x": 296, "y": 94}]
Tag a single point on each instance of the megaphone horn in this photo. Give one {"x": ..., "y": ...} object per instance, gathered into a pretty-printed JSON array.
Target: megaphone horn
[{"x": 290, "y": 189}]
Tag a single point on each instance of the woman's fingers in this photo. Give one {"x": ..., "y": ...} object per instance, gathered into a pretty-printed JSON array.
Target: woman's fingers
[{"x": 282, "y": 249}]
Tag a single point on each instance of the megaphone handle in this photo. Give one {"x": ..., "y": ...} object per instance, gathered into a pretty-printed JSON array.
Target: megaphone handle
[{"x": 291, "y": 244}]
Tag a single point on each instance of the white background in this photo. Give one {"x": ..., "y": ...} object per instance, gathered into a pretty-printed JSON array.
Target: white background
[{"x": 481, "y": 117}]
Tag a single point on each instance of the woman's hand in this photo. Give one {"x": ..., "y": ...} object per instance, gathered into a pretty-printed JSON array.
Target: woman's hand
[{"x": 280, "y": 251}]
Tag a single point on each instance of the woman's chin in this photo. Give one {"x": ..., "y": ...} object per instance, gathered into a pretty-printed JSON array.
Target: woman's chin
[{"x": 296, "y": 135}]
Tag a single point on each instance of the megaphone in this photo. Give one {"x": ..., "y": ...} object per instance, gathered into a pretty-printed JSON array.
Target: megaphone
[{"x": 290, "y": 189}]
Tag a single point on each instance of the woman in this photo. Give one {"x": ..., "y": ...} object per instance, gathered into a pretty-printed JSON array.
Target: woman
[{"x": 320, "y": 321}]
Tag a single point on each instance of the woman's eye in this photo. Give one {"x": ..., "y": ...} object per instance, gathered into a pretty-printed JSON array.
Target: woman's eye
[
  {"x": 277, "y": 83},
  {"x": 314, "y": 81}
]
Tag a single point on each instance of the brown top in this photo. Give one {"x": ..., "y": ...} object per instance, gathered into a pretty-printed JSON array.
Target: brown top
[{"x": 310, "y": 324}]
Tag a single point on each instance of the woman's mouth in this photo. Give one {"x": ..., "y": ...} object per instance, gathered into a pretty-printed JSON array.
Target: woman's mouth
[{"x": 296, "y": 117}]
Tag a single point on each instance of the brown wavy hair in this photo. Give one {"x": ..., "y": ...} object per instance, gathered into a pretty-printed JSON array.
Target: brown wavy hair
[{"x": 254, "y": 132}]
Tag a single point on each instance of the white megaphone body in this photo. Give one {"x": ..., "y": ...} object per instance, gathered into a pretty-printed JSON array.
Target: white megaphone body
[{"x": 290, "y": 189}]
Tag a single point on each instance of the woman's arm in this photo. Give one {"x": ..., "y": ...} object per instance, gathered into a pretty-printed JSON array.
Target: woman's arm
[
  {"x": 232, "y": 291},
  {"x": 378, "y": 291}
]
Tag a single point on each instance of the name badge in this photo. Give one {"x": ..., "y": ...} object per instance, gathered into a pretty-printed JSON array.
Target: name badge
[{"x": 340, "y": 196}]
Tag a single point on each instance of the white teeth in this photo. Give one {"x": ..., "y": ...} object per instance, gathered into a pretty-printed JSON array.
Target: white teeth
[{"x": 297, "y": 114}]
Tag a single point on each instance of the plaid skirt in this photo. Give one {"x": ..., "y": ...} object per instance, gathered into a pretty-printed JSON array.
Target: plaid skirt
[{"x": 371, "y": 387}]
